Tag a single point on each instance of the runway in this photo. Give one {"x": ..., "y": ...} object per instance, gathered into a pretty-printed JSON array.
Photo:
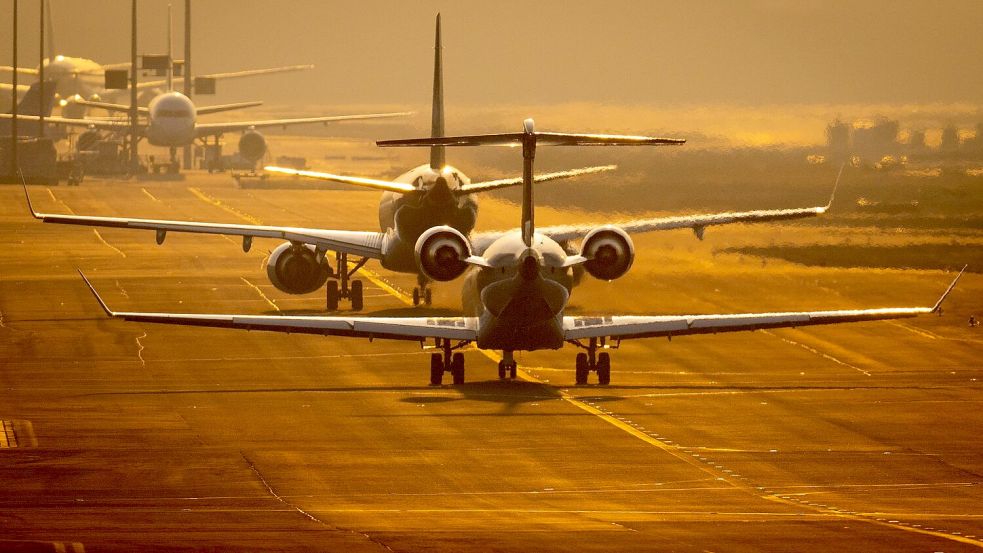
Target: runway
[{"x": 122, "y": 437}]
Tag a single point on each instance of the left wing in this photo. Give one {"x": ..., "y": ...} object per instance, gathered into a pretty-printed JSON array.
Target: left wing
[
  {"x": 473, "y": 187},
  {"x": 103, "y": 124},
  {"x": 389, "y": 328},
  {"x": 630, "y": 326},
  {"x": 228, "y": 75},
  {"x": 211, "y": 129}
]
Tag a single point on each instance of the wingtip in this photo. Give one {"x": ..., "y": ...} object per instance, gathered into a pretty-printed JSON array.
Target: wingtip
[
  {"x": 836, "y": 185},
  {"x": 938, "y": 305},
  {"x": 92, "y": 289},
  {"x": 30, "y": 206}
]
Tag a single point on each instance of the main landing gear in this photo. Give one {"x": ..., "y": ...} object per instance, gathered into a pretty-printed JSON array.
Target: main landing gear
[
  {"x": 339, "y": 289},
  {"x": 422, "y": 292},
  {"x": 507, "y": 367},
  {"x": 592, "y": 361},
  {"x": 448, "y": 361}
]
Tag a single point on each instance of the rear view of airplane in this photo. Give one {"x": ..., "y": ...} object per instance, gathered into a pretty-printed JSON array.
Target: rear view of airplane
[{"x": 522, "y": 301}]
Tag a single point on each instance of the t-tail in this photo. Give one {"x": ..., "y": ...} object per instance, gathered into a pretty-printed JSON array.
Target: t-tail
[
  {"x": 437, "y": 156},
  {"x": 529, "y": 139},
  {"x": 170, "y": 58}
]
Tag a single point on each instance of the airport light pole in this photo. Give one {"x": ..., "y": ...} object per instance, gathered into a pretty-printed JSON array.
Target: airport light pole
[
  {"x": 134, "y": 160},
  {"x": 44, "y": 103},
  {"x": 187, "y": 69},
  {"x": 13, "y": 95}
]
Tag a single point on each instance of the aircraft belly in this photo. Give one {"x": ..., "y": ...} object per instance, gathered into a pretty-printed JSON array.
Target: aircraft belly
[{"x": 514, "y": 334}]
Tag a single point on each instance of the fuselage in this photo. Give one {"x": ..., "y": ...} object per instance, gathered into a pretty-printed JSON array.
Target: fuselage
[
  {"x": 520, "y": 297},
  {"x": 403, "y": 217},
  {"x": 171, "y": 120}
]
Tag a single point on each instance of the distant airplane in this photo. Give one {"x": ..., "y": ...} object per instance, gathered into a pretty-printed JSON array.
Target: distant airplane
[
  {"x": 429, "y": 195},
  {"x": 31, "y": 104},
  {"x": 78, "y": 78},
  {"x": 522, "y": 300}
]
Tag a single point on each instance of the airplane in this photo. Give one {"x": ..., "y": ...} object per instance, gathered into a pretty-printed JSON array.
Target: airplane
[
  {"x": 31, "y": 104},
  {"x": 522, "y": 300},
  {"x": 425, "y": 196},
  {"x": 78, "y": 78}
]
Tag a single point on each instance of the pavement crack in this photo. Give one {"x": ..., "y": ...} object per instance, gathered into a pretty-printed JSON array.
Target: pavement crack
[
  {"x": 278, "y": 497},
  {"x": 140, "y": 348}
]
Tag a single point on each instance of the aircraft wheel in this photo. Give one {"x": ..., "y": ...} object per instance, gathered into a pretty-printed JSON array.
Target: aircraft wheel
[
  {"x": 331, "y": 295},
  {"x": 436, "y": 369},
  {"x": 428, "y": 296},
  {"x": 416, "y": 297},
  {"x": 457, "y": 368},
  {"x": 582, "y": 369},
  {"x": 356, "y": 295},
  {"x": 501, "y": 370},
  {"x": 603, "y": 368},
  {"x": 513, "y": 370}
]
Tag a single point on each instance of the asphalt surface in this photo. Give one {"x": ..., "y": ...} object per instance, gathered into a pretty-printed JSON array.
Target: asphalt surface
[{"x": 121, "y": 437}]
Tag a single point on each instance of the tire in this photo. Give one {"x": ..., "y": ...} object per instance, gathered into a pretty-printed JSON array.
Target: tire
[
  {"x": 331, "y": 295},
  {"x": 436, "y": 369},
  {"x": 501, "y": 370},
  {"x": 582, "y": 369},
  {"x": 513, "y": 370},
  {"x": 416, "y": 297},
  {"x": 356, "y": 295},
  {"x": 603, "y": 368},
  {"x": 457, "y": 368},
  {"x": 428, "y": 296}
]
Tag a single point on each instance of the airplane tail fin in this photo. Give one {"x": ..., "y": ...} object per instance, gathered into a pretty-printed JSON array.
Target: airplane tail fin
[
  {"x": 529, "y": 138},
  {"x": 170, "y": 53},
  {"x": 50, "y": 31},
  {"x": 437, "y": 155},
  {"x": 32, "y": 103}
]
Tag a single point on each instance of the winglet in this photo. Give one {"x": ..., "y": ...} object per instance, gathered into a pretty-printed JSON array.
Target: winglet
[
  {"x": 96, "y": 294},
  {"x": 836, "y": 185},
  {"x": 938, "y": 304},
  {"x": 30, "y": 206}
]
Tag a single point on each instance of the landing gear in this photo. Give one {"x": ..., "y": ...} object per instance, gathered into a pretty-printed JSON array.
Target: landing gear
[
  {"x": 592, "y": 361},
  {"x": 448, "y": 361},
  {"x": 507, "y": 367},
  {"x": 343, "y": 287},
  {"x": 422, "y": 293}
]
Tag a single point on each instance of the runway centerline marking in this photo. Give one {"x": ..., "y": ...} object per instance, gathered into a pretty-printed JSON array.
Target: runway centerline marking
[
  {"x": 815, "y": 352},
  {"x": 261, "y": 294},
  {"x": 149, "y": 195},
  {"x": 103, "y": 240}
]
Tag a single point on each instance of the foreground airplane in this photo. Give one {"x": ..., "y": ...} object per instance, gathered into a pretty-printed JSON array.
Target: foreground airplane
[
  {"x": 522, "y": 303},
  {"x": 426, "y": 196}
]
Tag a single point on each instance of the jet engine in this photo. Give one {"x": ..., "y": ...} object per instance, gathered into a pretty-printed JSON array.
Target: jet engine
[
  {"x": 440, "y": 253},
  {"x": 294, "y": 269},
  {"x": 609, "y": 252},
  {"x": 252, "y": 146}
]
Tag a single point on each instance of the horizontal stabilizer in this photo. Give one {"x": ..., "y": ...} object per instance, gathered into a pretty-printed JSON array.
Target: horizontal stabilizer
[
  {"x": 517, "y": 181},
  {"x": 389, "y": 186},
  {"x": 542, "y": 139}
]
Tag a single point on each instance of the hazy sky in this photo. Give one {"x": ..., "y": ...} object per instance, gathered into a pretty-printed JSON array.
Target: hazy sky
[{"x": 534, "y": 52}]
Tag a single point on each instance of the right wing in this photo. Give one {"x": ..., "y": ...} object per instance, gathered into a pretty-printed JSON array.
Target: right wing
[
  {"x": 229, "y": 75},
  {"x": 631, "y": 326},
  {"x": 211, "y": 129},
  {"x": 373, "y": 328},
  {"x": 517, "y": 181},
  {"x": 363, "y": 244}
]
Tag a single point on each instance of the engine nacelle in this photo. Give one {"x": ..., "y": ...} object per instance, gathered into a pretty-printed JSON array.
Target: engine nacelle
[
  {"x": 609, "y": 252},
  {"x": 294, "y": 269},
  {"x": 440, "y": 253},
  {"x": 252, "y": 146}
]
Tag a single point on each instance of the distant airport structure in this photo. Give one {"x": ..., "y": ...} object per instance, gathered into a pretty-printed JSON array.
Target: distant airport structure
[{"x": 872, "y": 141}]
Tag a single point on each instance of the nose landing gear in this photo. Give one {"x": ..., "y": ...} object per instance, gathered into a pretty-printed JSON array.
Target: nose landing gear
[
  {"x": 448, "y": 361},
  {"x": 507, "y": 367},
  {"x": 422, "y": 293}
]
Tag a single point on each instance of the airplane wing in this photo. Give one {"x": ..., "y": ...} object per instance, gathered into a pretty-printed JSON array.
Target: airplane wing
[
  {"x": 30, "y": 71},
  {"x": 391, "y": 186},
  {"x": 7, "y": 87},
  {"x": 103, "y": 124},
  {"x": 211, "y": 129},
  {"x": 362, "y": 244},
  {"x": 374, "y": 328},
  {"x": 229, "y": 75},
  {"x": 517, "y": 181},
  {"x": 699, "y": 223},
  {"x": 226, "y": 107},
  {"x": 108, "y": 106},
  {"x": 630, "y": 326}
]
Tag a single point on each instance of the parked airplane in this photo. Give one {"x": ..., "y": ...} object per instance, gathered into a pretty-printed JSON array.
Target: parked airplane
[
  {"x": 31, "y": 104},
  {"x": 522, "y": 301},
  {"x": 425, "y": 196}
]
